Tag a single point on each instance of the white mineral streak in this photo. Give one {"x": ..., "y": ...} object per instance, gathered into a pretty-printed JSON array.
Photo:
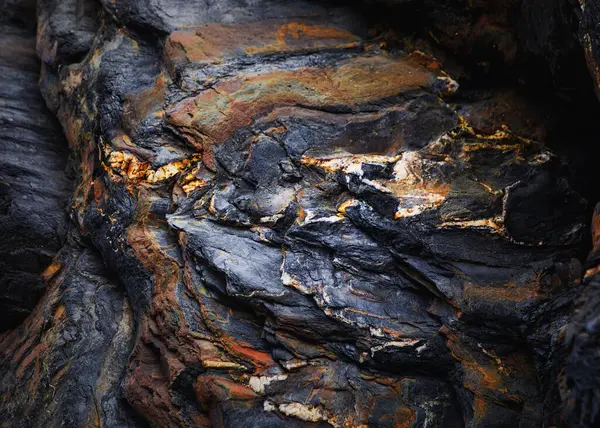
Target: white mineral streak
[
  {"x": 272, "y": 218},
  {"x": 289, "y": 281},
  {"x": 292, "y": 365},
  {"x": 417, "y": 202},
  {"x": 258, "y": 383},
  {"x": 409, "y": 186},
  {"x": 350, "y": 164},
  {"x": 304, "y": 412},
  {"x": 378, "y": 332},
  {"x": 311, "y": 217},
  {"x": 494, "y": 224},
  {"x": 268, "y": 406},
  {"x": 404, "y": 168},
  {"x": 403, "y": 343},
  {"x": 354, "y": 167}
]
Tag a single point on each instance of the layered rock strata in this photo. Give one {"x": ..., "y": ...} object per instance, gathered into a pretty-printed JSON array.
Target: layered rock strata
[
  {"x": 284, "y": 218},
  {"x": 34, "y": 187}
]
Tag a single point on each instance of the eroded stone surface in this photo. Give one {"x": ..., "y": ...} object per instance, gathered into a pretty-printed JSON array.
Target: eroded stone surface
[
  {"x": 579, "y": 386},
  {"x": 64, "y": 364},
  {"x": 34, "y": 188},
  {"x": 307, "y": 230}
]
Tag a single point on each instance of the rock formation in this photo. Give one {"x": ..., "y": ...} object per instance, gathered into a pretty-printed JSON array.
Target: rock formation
[
  {"x": 34, "y": 188},
  {"x": 294, "y": 213}
]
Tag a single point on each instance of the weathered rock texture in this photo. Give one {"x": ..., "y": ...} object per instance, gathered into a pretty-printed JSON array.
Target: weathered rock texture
[
  {"x": 582, "y": 338},
  {"x": 287, "y": 216},
  {"x": 34, "y": 189}
]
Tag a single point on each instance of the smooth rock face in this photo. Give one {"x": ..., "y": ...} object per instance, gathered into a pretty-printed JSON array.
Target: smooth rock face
[{"x": 292, "y": 226}]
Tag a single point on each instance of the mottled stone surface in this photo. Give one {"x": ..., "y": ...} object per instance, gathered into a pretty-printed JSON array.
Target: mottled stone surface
[{"x": 287, "y": 217}]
